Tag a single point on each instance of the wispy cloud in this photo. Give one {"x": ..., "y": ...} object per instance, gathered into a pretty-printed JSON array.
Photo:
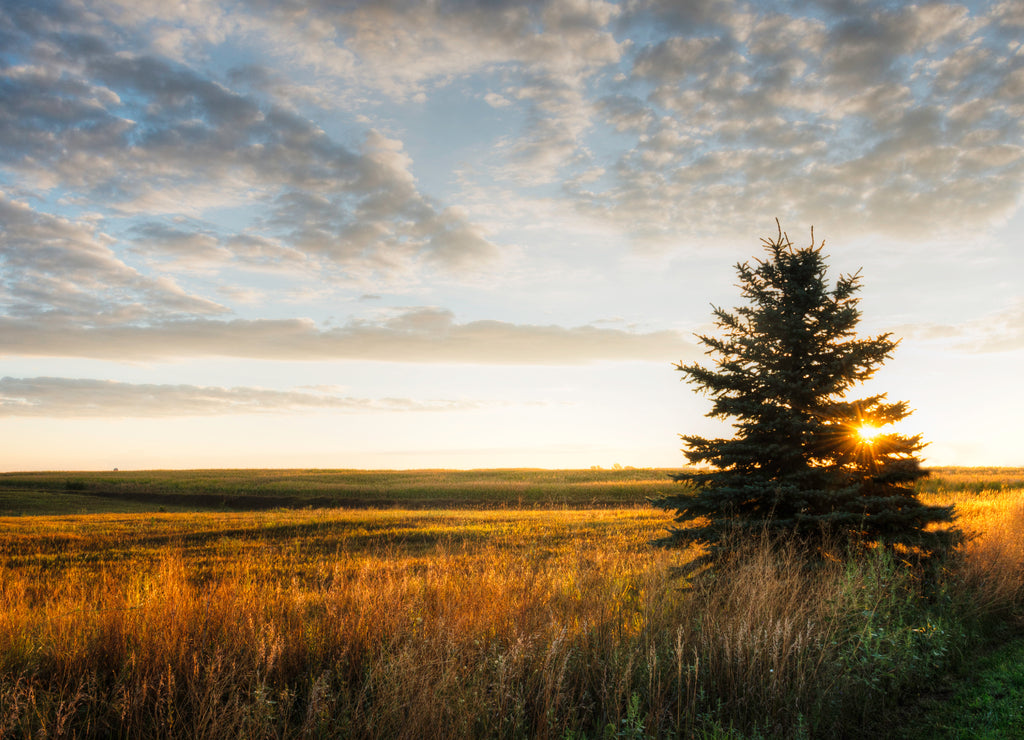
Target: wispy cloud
[
  {"x": 998, "y": 332},
  {"x": 84, "y": 397},
  {"x": 416, "y": 335}
]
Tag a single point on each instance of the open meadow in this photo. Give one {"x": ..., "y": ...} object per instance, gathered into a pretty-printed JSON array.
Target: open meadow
[
  {"x": 200, "y": 490},
  {"x": 523, "y": 604}
]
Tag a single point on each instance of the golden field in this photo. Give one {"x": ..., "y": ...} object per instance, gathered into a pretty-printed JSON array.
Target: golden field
[{"x": 515, "y": 622}]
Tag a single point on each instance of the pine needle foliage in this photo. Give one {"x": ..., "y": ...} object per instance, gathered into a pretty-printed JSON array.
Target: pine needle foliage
[{"x": 806, "y": 461}]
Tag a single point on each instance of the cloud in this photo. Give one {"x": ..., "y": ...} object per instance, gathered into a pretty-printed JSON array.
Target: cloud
[
  {"x": 497, "y": 101},
  {"x": 1001, "y": 331},
  {"x": 405, "y": 51},
  {"x": 132, "y": 133},
  {"x": 413, "y": 335},
  {"x": 190, "y": 243},
  {"x": 902, "y": 121},
  {"x": 667, "y": 122},
  {"x": 389, "y": 228},
  {"x": 58, "y": 267},
  {"x": 548, "y": 49},
  {"x": 559, "y": 115},
  {"x": 83, "y": 397},
  {"x": 401, "y": 49}
]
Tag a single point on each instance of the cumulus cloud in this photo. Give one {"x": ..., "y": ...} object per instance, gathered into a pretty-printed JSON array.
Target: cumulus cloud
[
  {"x": 85, "y": 397},
  {"x": 54, "y": 266},
  {"x": 413, "y": 335},
  {"x": 404, "y": 48},
  {"x": 133, "y": 133},
  {"x": 404, "y": 51},
  {"x": 146, "y": 179},
  {"x": 497, "y": 101},
  {"x": 901, "y": 120}
]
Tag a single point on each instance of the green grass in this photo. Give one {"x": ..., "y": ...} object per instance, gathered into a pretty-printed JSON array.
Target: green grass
[
  {"x": 985, "y": 702},
  {"x": 247, "y": 490},
  {"x": 43, "y": 503},
  {"x": 211, "y": 490}
]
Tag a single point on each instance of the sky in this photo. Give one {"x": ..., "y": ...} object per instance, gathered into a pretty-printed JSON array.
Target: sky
[{"x": 480, "y": 233}]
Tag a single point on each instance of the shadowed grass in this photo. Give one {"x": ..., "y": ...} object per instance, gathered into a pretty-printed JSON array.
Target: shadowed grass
[
  {"x": 204, "y": 490},
  {"x": 217, "y": 490}
]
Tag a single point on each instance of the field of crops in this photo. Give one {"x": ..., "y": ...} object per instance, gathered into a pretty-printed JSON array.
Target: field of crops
[
  {"x": 505, "y": 620},
  {"x": 219, "y": 490},
  {"x": 196, "y": 490}
]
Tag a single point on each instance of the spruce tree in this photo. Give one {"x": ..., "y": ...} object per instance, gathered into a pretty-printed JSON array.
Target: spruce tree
[{"x": 805, "y": 461}]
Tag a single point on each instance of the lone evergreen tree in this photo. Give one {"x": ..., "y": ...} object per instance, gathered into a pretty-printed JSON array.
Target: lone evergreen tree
[{"x": 805, "y": 461}]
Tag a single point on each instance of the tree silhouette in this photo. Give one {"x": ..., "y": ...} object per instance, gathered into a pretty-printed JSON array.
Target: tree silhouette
[{"x": 804, "y": 461}]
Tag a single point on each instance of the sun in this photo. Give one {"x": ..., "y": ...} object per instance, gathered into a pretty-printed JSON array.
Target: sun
[{"x": 867, "y": 433}]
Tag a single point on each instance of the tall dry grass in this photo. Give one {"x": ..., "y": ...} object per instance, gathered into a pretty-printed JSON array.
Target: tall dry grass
[
  {"x": 991, "y": 567},
  {"x": 461, "y": 624}
]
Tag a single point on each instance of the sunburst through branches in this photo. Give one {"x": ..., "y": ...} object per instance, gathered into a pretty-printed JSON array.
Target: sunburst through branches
[{"x": 867, "y": 433}]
